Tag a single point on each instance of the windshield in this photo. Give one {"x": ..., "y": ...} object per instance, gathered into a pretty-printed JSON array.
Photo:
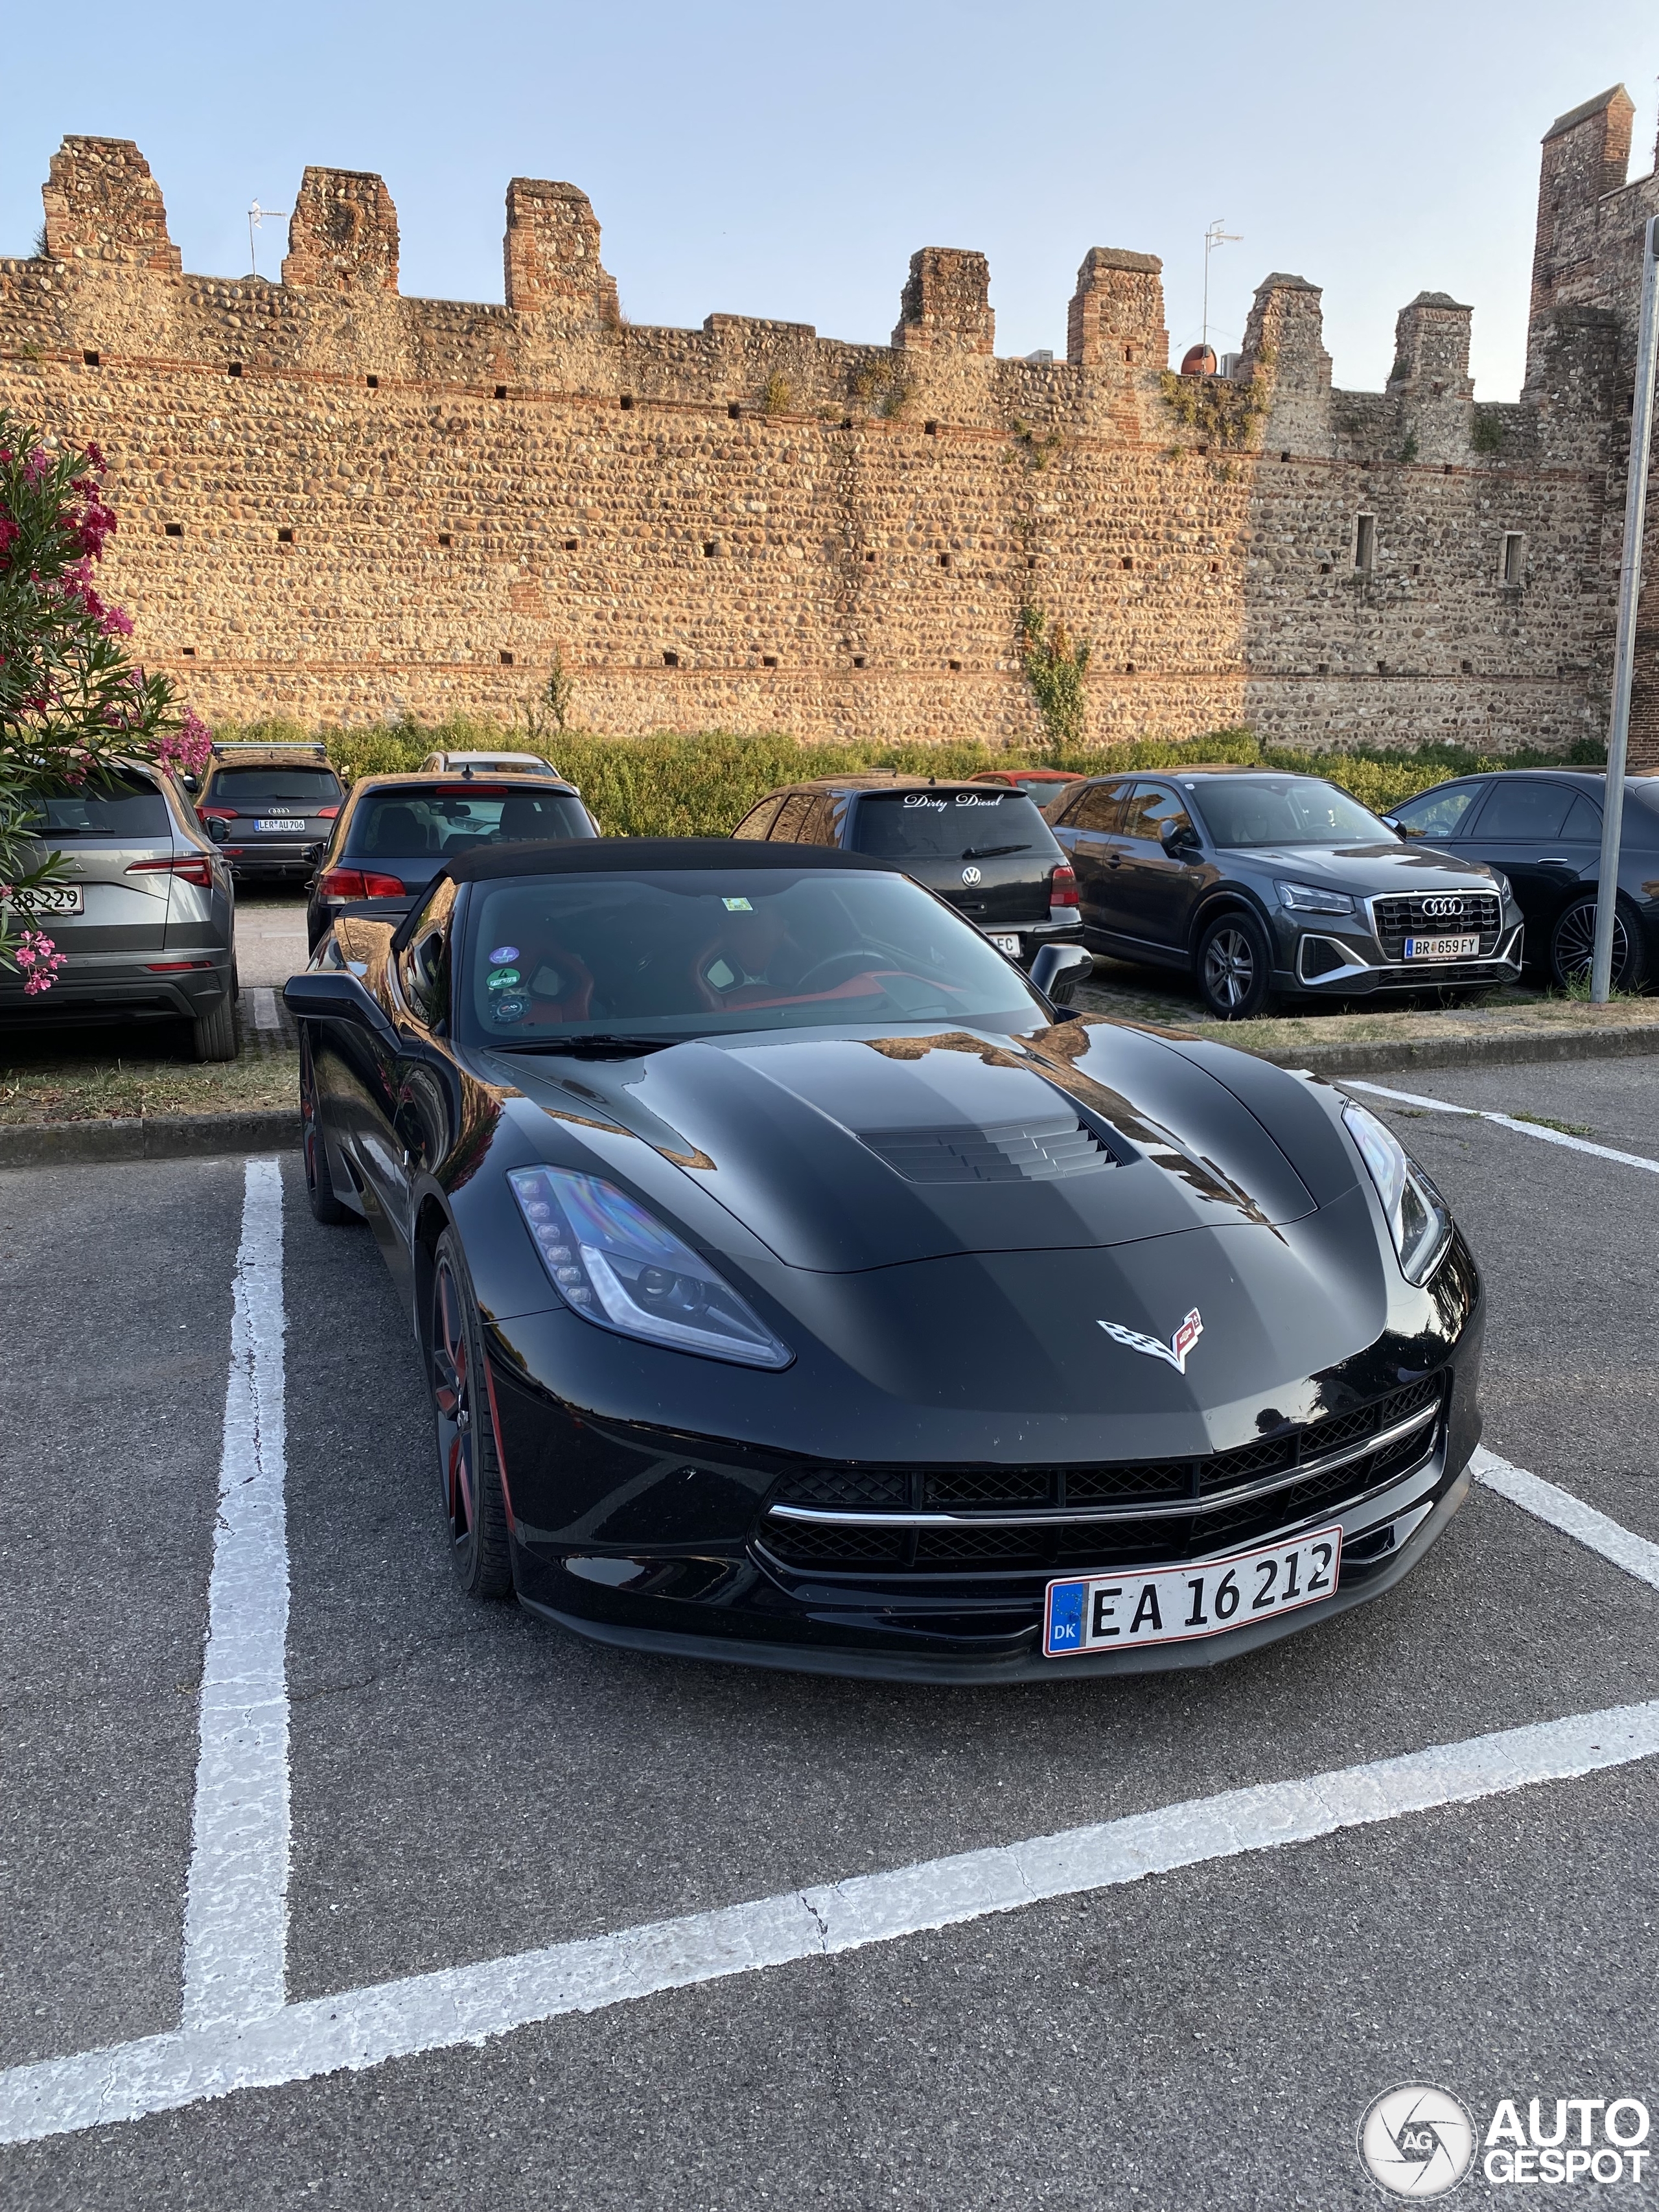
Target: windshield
[
  {"x": 1292, "y": 810},
  {"x": 440, "y": 822},
  {"x": 118, "y": 803},
  {"x": 931, "y": 825},
  {"x": 250, "y": 788},
  {"x": 698, "y": 952}
]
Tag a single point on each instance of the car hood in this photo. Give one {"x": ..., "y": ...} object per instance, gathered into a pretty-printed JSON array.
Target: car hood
[
  {"x": 1380, "y": 870},
  {"x": 847, "y": 1150}
]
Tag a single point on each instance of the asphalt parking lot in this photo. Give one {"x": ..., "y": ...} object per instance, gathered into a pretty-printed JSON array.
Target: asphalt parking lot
[{"x": 463, "y": 1786}]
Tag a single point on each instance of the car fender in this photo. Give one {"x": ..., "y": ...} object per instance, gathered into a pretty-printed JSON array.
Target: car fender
[{"x": 1218, "y": 899}]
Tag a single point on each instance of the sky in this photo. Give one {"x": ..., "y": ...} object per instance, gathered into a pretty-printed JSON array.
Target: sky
[{"x": 766, "y": 159}]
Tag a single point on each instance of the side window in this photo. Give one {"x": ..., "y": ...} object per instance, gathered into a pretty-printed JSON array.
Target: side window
[
  {"x": 1151, "y": 805},
  {"x": 1524, "y": 807},
  {"x": 759, "y": 819},
  {"x": 791, "y": 816},
  {"x": 423, "y": 963},
  {"x": 1101, "y": 807},
  {"x": 819, "y": 827},
  {"x": 1583, "y": 822},
  {"x": 1441, "y": 813}
]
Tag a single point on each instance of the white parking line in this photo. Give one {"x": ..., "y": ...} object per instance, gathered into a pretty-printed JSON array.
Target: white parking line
[
  {"x": 364, "y": 2027},
  {"x": 237, "y": 2032},
  {"x": 1634, "y": 1554},
  {"x": 265, "y": 1016},
  {"x": 1504, "y": 1121},
  {"x": 236, "y": 1907}
]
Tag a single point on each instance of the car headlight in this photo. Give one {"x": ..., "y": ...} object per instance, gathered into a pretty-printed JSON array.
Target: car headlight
[
  {"x": 616, "y": 1266},
  {"x": 1309, "y": 899},
  {"x": 1418, "y": 1220}
]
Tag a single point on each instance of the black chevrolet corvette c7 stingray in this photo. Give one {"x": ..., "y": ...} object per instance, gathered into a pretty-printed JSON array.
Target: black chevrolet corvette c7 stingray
[{"x": 799, "y": 1284}]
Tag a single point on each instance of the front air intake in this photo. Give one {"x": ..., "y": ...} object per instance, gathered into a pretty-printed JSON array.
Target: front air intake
[{"x": 1015, "y": 1152}]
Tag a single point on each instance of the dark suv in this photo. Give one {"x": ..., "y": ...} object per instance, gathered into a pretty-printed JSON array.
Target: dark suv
[
  {"x": 986, "y": 849},
  {"x": 267, "y": 808},
  {"x": 396, "y": 832},
  {"x": 1258, "y": 884}
]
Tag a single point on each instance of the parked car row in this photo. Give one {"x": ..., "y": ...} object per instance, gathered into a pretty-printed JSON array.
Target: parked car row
[{"x": 1258, "y": 885}]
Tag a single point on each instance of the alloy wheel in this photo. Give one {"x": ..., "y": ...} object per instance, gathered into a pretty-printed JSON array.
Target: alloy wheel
[
  {"x": 1230, "y": 969},
  {"x": 1574, "y": 943},
  {"x": 452, "y": 1397}
]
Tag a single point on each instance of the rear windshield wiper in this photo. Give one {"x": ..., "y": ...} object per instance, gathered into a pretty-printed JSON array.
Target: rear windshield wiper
[
  {"x": 990, "y": 852},
  {"x": 604, "y": 1042}
]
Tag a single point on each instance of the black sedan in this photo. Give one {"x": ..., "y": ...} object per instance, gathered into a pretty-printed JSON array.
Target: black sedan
[
  {"x": 986, "y": 848},
  {"x": 800, "y": 1283},
  {"x": 1262, "y": 884},
  {"x": 1542, "y": 829},
  {"x": 395, "y": 832}
]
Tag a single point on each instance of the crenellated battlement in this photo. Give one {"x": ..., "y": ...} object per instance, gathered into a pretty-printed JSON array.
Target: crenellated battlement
[{"x": 339, "y": 501}]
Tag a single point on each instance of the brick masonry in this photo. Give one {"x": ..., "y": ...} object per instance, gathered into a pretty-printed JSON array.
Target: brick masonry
[{"x": 339, "y": 504}]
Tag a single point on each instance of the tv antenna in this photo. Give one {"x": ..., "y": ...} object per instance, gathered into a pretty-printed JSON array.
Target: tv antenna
[
  {"x": 256, "y": 215},
  {"x": 1214, "y": 236}
]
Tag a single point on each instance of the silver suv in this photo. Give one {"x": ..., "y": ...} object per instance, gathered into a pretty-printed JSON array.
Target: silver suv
[{"x": 146, "y": 922}]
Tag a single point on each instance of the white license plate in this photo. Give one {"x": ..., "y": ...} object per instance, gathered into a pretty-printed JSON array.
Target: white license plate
[
  {"x": 287, "y": 824},
  {"x": 1008, "y": 945},
  {"x": 1442, "y": 948},
  {"x": 1177, "y": 1605},
  {"x": 59, "y": 898}
]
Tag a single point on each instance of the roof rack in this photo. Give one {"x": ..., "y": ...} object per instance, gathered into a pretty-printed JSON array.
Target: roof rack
[{"x": 314, "y": 746}]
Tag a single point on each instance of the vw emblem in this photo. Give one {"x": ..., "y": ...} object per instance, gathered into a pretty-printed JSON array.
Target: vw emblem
[
  {"x": 1441, "y": 906},
  {"x": 970, "y": 875}
]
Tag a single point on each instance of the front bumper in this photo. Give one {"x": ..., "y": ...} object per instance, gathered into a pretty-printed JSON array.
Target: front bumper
[
  {"x": 665, "y": 1541},
  {"x": 1332, "y": 963}
]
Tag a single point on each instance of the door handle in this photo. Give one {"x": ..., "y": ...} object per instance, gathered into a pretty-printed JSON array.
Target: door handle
[{"x": 1114, "y": 860}]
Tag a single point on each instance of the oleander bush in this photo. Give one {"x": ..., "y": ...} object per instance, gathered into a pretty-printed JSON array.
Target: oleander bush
[{"x": 701, "y": 786}]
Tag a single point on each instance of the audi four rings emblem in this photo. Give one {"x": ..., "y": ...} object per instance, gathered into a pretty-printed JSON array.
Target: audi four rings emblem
[
  {"x": 970, "y": 875},
  {"x": 1442, "y": 906}
]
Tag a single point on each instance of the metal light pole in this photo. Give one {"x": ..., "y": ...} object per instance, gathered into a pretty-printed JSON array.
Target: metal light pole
[
  {"x": 1630, "y": 591},
  {"x": 1214, "y": 236},
  {"x": 256, "y": 215}
]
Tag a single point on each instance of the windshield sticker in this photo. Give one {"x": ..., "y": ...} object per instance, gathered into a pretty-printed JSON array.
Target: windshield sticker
[
  {"x": 737, "y": 906},
  {"x": 503, "y": 980},
  {"x": 512, "y": 1009},
  {"x": 503, "y": 952}
]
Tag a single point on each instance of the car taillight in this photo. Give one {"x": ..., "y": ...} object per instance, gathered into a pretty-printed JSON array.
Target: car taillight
[
  {"x": 1062, "y": 887},
  {"x": 327, "y": 813},
  {"x": 218, "y": 813},
  {"x": 189, "y": 866},
  {"x": 360, "y": 883}
]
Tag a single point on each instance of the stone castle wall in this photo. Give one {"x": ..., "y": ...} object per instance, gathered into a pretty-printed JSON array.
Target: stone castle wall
[{"x": 340, "y": 504}]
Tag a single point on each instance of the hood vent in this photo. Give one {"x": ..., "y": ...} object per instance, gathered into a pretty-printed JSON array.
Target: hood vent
[{"x": 1015, "y": 1152}]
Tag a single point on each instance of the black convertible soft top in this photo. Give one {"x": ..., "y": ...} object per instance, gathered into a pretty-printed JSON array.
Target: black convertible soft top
[{"x": 587, "y": 856}]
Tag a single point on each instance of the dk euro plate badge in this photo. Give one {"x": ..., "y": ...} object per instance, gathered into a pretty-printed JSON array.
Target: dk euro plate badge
[
  {"x": 1137, "y": 1606},
  {"x": 1174, "y": 1352}
]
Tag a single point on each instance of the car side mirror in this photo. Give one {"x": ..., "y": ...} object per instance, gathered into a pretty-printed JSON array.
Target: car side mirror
[
  {"x": 1058, "y": 969},
  {"x": 1400, "y": 828},
  {"x": 331, "y": 995},
  {"x": 216, "y": 829},
  {"x": 192, "y": 783},
  {"x": 1178, "y": 837}
]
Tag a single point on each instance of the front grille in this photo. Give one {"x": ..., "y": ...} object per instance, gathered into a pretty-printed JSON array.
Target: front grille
[
  {"x": 1056, "y": 1542},
  {"x": 1397, "y": 919}
]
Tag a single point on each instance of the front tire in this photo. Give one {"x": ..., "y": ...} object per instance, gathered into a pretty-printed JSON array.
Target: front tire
[
  {"x": 1235, "y": 967},
  {"x": 1572, "y": 945},
  {"x": 469, "y": 1466}
]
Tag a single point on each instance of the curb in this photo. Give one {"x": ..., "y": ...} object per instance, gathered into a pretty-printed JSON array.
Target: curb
[
  {"x": 147, "y": 1137},
  {"x": 1504, "y": 1050}
]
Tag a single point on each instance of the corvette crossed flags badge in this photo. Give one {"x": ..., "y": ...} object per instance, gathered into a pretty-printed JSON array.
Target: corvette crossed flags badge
[{"x": 1174, "y": 1352}]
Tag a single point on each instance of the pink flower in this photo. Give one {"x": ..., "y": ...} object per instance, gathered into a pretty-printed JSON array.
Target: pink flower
[
  {"x": 38, "y": 960},
  {"x": 38, "y": 466},
  {"x": 95, "y": 455},
  {"x": 189, "y": 747},
  {"x": 9, "y": 533}
]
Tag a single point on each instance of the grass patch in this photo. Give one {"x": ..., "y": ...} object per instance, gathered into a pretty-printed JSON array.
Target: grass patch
[
  {"x": 113, "y": 1073},
  {"x": 1548, "y": 1122},
  {"x": 701, "y": 786}
]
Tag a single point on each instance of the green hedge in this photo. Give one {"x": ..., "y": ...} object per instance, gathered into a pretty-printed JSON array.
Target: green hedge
[{"x": 701, "y": 786}]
